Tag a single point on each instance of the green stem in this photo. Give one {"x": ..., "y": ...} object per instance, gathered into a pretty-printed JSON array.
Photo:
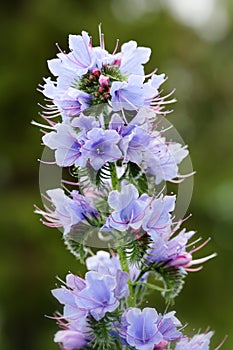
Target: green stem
[
  {"x": 114, "y": 178},
  {"x": 125, "y": 267}
]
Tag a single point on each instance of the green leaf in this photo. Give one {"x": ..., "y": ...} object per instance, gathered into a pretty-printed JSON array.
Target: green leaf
[
  {"x": 137, "y": 177},
  {"x": 152, "y": 286},
  {"x": 173, "y": 280},
  {"x": 135, "y": 248},
  {"x": 101, "y": 331},
  {"x": 76, "y": 248},
  {"x": 102, "y": 175}
]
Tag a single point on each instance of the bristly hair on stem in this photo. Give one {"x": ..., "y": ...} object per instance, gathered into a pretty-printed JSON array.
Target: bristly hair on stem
[{"x": 104, "y": 332}]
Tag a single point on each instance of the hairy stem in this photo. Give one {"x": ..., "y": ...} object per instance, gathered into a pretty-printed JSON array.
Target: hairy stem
[
  {"x": 125, "y": 267},
  {"x": 114, "y": 178}
]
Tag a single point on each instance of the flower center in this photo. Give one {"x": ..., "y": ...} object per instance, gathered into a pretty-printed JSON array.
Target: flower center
[{"x": 98, "y": 82}]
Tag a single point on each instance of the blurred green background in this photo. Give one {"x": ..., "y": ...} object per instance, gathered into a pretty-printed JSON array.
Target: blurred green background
[{"x": 192, "y": 42}]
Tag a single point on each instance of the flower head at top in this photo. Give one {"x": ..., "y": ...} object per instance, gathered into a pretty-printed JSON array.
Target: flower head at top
[{"x": 90, "y": 75}]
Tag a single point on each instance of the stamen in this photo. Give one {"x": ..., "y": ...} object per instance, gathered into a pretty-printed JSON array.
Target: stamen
[
  {"x": 222, "y": 342},
  {"x": 33, "y": 122},
  {"x": 100, "y": 34},
  {"x": 70, "y": 183},
  {"x": 50, "y": 122},
  {"x": 45, "y": 162},
  {"x": 152, "y": 73},
  {"x": 202, "y": 260},
  {"x": 193, "y": 269},
  {"x": 102, "y": 42},
  {"x": 76, "y": 62},
  {"x": 116, "y": 47},
  {"x": 200, "y": 246}
]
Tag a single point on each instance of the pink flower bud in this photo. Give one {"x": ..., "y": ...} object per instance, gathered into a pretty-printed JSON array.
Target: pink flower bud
[
  {"x": 162, "y": 345},
  {"x": 103, "y": 80},
  {"x": 101, "y": 89},
  {"x": 181, "y": 260},
  {"x": 117, "y": 61},
  {"x": 96, "y": 72}
]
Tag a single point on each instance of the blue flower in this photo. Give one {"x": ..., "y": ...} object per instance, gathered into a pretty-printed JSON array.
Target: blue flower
[
  {"x": 90, "y": 75},
  {"x": 132, "y": 58},
  {"x": 144, "y": 146},
  {"x": 128, "y": 94},
  {"x": 167, "y": 325},
  {"x": 75, "y": 333},
  {"x": 145, "y": 329},
  {"x": 90, "y": 142},
  {"x": 98, "y": 297},
  {"x": 129, "y": 208},
  {"x": 135, "y": 137},
  {"x": 102, "y": 263},
  {"x": 197, "y": 342},
  {"x": 72, "y": 338},
  {"x": 68, "y": 100},
  {"x": 67, "y": 211},
  {"x": 66, "y": 296},
  {"x": 67, "y": 145},
  {"x": 157, "y": 220},
  {"x": 134, "y": 93},
  {"x": 172, "y": 251},
  {"x": 101, "y": 147}
]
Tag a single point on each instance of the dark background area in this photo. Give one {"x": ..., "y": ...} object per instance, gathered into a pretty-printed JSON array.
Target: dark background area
[{"x": 193, "y": 46}]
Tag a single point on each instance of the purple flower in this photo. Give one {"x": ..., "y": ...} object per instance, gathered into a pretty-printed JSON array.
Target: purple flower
[
  {"x": 145, "y": 147},
  {"x": 136, "y": 145},
  {"x": 90, "y": 142},
  {"x": 170, "y": 249},
  {"x": 98, "y": 297},
  {"x": 67, "y": 99},
  {"x": 101, "y": 147},
  {"x": 167, "y": 325},
  {"x": 173, "y": 251},
  {"x": 145, "y": 329},
  {"x": 135, "y": 93},
  {"x": 71, "y": 338},
  {"x": 66, "y": 296},
  {"x": 135, "y": 137},
  {"x": 198, "y": 342},
  {"x": 129, "y": 208},
  {"x": 67, "y": 211},
  {"x": 85, "y": 124},
  {"x": 66, "y": 144},
  {"x": 128, "y": 94},
  {"x": 76, "y": 331},
  {"x": 132, "y": 58},
  {"x": 102, "y": 263},
  {"x": 90, "y": 75},
  {"x": 104, "y": 81},
  {"x": 157, "y": 221}
]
